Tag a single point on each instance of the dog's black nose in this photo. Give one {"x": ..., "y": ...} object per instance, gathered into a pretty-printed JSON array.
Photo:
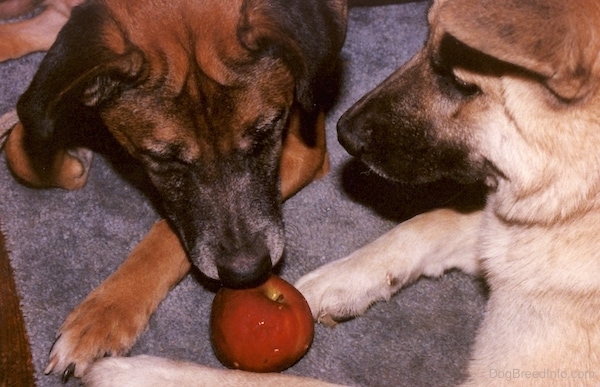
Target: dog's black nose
[
  {"x": 244, "y": 266},
  {"x": 353, "y": 134}
]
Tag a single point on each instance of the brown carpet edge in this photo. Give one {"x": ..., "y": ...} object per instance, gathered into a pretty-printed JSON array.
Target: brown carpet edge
[{"x": 16, "y": 364}]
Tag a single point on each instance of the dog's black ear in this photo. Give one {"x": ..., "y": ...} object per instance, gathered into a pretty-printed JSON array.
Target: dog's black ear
[
  {"x": 556, "y": 39},
  {"x": 78, "y": 73},
  {"x": 306, "y": 34}
]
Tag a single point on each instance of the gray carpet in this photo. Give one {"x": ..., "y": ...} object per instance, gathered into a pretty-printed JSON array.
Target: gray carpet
[{"x": 63, "y": 244}]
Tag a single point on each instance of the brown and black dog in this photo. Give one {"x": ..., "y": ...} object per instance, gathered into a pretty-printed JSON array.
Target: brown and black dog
[{"x": 221, "y": 102}]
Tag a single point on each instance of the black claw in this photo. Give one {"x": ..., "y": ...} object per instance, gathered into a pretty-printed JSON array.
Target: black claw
[
  {"x": 70, "y": 371},
  {"x": 53, "y": 344}
]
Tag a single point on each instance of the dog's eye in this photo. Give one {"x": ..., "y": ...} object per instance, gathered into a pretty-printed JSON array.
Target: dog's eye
[
  {"x": 265, "y": 128},
  {"x": 455, "y": 86},
  {"x": 450, "y": 82},
  {"x": 168, "y": 157},
  {"x": 466, "y": 88}
]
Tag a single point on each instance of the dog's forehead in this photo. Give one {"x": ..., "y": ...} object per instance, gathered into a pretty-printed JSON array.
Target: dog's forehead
[
  {"x": 179, "y": 35},
  {"x": 200, "y": 91}
]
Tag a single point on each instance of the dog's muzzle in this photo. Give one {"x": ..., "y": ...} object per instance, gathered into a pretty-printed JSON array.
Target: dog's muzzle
[{"x": 245, "y": 265}]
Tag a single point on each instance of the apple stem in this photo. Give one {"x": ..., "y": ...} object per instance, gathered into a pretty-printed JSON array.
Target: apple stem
[{"x": 279, "y": 298}]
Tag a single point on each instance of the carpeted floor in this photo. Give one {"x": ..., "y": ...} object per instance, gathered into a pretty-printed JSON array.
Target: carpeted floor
[{"x": 63, "y": 244}]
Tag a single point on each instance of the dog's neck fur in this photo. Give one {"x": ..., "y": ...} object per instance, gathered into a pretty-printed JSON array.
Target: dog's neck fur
[{"x": 515, "y": 244}]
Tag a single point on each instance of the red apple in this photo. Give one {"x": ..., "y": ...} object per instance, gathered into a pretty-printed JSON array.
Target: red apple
[{"x": 263, "y": 329}]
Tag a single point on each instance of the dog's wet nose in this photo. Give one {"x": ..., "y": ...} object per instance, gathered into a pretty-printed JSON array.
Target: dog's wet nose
[
  {"x": 245, "y": 266},
  {"x": 353, "y": 135}
]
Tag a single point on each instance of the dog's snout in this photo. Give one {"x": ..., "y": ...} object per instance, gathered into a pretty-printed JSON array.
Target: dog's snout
[
  {"x": 353, "y": 134},
  {"x": 244, "y": 265}
]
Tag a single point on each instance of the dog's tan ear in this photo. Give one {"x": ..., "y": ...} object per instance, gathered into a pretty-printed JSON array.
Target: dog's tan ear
[
  {"x": 77, "y": 73},
  {"x": 306, "y": 34},
  {"x": 556, "y": 39}
]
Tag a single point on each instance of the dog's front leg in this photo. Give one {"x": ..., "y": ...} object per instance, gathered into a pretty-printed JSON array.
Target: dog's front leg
[
  {"x": 427, "y": 244},
  {"x": 111, "y": 318}
]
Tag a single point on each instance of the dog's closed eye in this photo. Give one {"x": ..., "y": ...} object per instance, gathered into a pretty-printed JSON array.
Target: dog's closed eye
[
  {"x": 466, "y": 88},
  {"x": 265, "y": 128},
  {"x": 451, "y": 83},
  {"x": 446, "y": 63}
]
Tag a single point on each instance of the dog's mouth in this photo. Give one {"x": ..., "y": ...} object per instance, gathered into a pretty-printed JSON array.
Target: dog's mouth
[
  {"x": 240, "y": 261},
  {"x": 236, "y": 241},
  {"x": 410, "y": 156}
]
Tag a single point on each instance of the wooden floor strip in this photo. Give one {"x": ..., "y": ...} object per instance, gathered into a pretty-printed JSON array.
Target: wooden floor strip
[{"x": 16, "y": 365}]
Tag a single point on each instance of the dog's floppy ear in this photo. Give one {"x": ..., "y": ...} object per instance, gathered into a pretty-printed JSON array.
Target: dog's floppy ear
[
  {"x": 306, "y": 34},
  {"x": 78, "y": 73},
  {"x": 555, "y": 39}
]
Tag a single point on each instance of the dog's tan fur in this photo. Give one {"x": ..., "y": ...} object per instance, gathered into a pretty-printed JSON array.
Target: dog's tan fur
[{"x": 514, "y": 87}]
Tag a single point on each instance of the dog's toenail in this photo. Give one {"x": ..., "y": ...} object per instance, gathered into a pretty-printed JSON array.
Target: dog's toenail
[{"x": 70, "y": 371}]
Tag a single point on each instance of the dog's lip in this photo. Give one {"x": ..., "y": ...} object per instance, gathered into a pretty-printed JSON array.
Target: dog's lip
[
  {"x": 373, "y": 166},
  {"x": 380, "y": 171}
]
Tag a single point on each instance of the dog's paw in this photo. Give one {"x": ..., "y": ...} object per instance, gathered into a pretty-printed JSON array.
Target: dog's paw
[
  {"x": 98, "y": 327},
  {"x": 427, "y": 244},
  {"x": 75, "y": 168},
  {"x": 346, "y": 288}
]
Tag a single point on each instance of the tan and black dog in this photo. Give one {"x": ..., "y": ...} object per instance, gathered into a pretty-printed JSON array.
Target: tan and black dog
[
  {"x": 506, "y": 93},
  {"x": 221, "y": 102}
]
